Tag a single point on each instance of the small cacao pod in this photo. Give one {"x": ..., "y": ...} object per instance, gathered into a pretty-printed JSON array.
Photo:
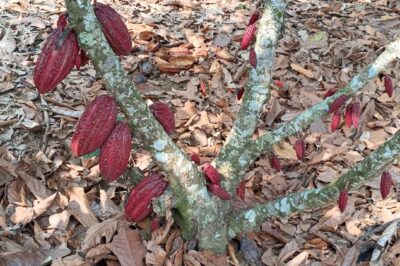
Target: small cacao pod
[
  {"x": 54, "y": 64},
  {"x": 138, "y": 205},
  {"x": 388, "y": 85},
  {"x": 248, "y": 36},
  {"x": 218, "y": 191},
  {"x": 386, "y": 184},
  {"x": 203, "y": 88},
  {"x": 279, "y": 84},
  {"x": 330, "y": 92},
  {"x": 164, "y": 115},
  {"x": 211, "y": 173},
  {"x": 348, "y": 115},
  {"x": 343, "y": 197},
  {"x": 94, "y": 126},
  {"x": 335, "y": 120},
  {"x": 62, "y": 20},
  {"x": 337, "y": 103},
  {"x": 114, "y": 29},
  {"x": 254, "y": 17},
  {"x": 241, "y": 189},
  {"x": 355, "y": 113},
  {"x": 300, "y": 148},
  {"x": 239, "y": 94},
  {"x": 275, "y": 163},
  {"x": 253, "y": 58},
  {"x": 114, "y": 154},
  {"x": 195, "y": 158}
]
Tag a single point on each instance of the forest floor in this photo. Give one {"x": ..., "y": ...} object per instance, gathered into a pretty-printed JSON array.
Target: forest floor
[{"x": 56, "y": 206}]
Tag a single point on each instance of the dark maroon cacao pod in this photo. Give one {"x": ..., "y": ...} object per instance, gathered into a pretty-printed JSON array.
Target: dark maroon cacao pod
[
  {"x": 335, "y": 120},
  {"x": 337, "y": 103},
  {"x": 211, "y": 173},
  {"x": 164, "y": 115},
  {"x": 386, "y": 184},
  {"x": 343, "y": 198},
  {"x": 388, "y": 85},
  {"x": 218, "y": 191},
  {"x": 300, "y": 148}
]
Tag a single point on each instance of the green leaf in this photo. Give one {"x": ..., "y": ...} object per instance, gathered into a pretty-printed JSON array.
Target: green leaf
[{"x": 92, "y": 154}]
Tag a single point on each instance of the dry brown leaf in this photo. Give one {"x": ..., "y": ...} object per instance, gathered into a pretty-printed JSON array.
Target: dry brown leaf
[
  {"x": 79, "y": 207},
  {"x": 285, "y": 150},
  {"x": 127, "y": 246},
  {"x": 288, "y": 250},
  {"x": 32, "y": 257},
  {"x": 306, "y": 72},
  {"x": 105, "y": 229},
  {"x": 35, "y": 186}
]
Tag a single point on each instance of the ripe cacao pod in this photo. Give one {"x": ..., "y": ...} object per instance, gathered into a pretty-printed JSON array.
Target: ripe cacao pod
[
  {"x": 114, "y": 29},
  {"x": 114, "y": 154},
  {"x": 355, "y": 113},
  {"x": 300, "y": 148},
  {"x": 335, "y": 120},
  {"x": 94, "y": 126},
  {"x": 138, "y": 205},
  {"x": 164, "y": 115},
  {"x": 386, "y": 184},
  {"x": 218, "y": 191},
  {"x": 211, "y": 173},
  {"x": 54, "y": 64},
  {"x": 253, "y": 58},
  {"x": 239, "y": 94},
  {"x": 343, "y": 197},
  {"x": 62, "y": 20},
  {"x": 248, "y": 36},
  {"x": 279, "y": 84},
  {"x": 241, "y": 189},
  {"x": 195, "y": 158},
  {"x": 275, "y": 163},
  {"x": 337, "y": 103},
  {"x": 330, "y": 92},
  {"x": 388, "y": 85},
  {"x": 254, "y": 17},
  {"x": 348, "y": 115}
]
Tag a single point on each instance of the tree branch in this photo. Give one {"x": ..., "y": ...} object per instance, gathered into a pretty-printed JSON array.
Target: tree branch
[
  {"x": 370, "y": 167},
  {"x": 256, "y": 94}
]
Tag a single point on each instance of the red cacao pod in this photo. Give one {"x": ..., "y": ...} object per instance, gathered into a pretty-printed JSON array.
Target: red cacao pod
[
  {"x": 348, "y": 115},
  {"x": 54, "y": 64},
  {"x": 239, "y": 94},
  {"x": 164, "y": 115},
  {"x": 94, "y": 126},
  {"x": 114, "y": 29},
  {"x": 114, "y": 154},
  {"x": 253, "y": 58},
  {"x": 218, "y": 191},
  {"x": 275, "y": 163},
  {"x": 330, "y": 92},
  {"x": 211, "y": 173},
  {"x": 248, "y": 36},
  {"x": 343, "y": 198},
  {"x": 138, "y": 205},
  {"x": 62, "y": 20},
  {"x": 355, "y": 113},
  {"x": 203, "y": 88},
  {"x": 195, "y": 158},
  {"x": 241, "y": 189},
  {"x": 254, "y": 17},
  {"x": 337, "y": 103},
  {"x": 388, "y": 85},
  {"x": 386, "y": 184},
  {"x": 335, "y": 120},
  {"x": 300, "y": 148}
]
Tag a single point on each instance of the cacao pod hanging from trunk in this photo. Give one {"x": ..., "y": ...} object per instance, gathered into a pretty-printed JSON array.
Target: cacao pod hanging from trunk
[{"x": 114, "y": 29}]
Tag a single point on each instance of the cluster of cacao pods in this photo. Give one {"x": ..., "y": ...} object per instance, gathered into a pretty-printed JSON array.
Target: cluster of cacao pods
[
  {"x": 61, "y": 51},
  {"x": 351, "y": 115},
  {"x": 138, "y": 205},
  {"x": 385, "y": 186},
  {"x": 98, "y": 128}
]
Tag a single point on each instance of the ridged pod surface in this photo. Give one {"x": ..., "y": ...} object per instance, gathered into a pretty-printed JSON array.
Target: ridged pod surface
[
  {"x": 335, "y": 120},
  {"x": 54, "y": 64},
  {"x": 164, "y": 115},
  {"x": 94, "y": 126},
  {"x": 348, "y": 115},
  {"x": 330, "y": 92},
  {"x": 114, "y": 154},
  {"x": 114, "y": 29},
  {"x": 195, "y": 158},
  {"x": 254, "y": 17},
  {"x": 300, "y": 148},
  {"x": 337, "y": 103},
  {"x": 248, "y": 36},
  {"x": 343, "y": 198},
  {"x": 253, "y": 58},
  {"x": 386, "y": 184},
  {"x": 211, "y": 173},
  {"x": 388, "y": 85},
  {"x": 138, "y": 205},
  {"x": 218, "y": 191}
]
